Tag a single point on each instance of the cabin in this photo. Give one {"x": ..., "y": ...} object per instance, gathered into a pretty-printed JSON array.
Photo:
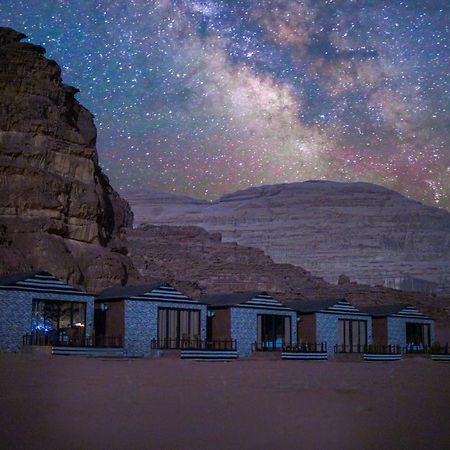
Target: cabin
[
  {"x": 150, "y": 317},
  {"x": 254, "y": 320},
  {"x": 401, "y": 325},
  {"x": 37, "y": 308},
  {"x": 344, "y": 328}
]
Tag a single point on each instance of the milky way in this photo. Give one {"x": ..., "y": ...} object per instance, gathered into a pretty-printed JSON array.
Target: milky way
[{"x": 206, "y": 97}]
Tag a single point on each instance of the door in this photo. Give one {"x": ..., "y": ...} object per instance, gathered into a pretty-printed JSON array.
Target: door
[
  {"x": 417, "y": 336},
  {"x": 178, "y": 327},
  {"x": 273, "y": 331},
  {"x": 352, "y": 336}
]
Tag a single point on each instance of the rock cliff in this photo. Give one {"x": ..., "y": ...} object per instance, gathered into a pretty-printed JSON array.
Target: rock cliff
[
  {"x": 373, "y": 234},
  {"x": 58, "y": 211},
  {"x": 199, "y": 262}
]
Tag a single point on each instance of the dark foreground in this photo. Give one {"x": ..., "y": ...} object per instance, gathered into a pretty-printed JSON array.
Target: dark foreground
[{"x": 78, "y": 403}]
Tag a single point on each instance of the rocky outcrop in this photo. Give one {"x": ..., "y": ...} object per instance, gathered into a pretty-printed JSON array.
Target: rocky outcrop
[
  {"x": 199, "y": 262},
  {"x": 58, "y": 211},
  {"x": 374, "y": 235}
]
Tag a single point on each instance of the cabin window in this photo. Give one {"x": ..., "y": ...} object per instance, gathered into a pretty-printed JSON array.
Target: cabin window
[
  {"x": 352, "y": 335},
  {"x": 177, "y": 327},
  {"x": 67, "y": 319},
  {"x": 417, "y": 336},
  {"x": 273, "y": 331}
]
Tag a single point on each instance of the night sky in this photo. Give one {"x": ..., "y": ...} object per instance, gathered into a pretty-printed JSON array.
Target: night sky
[{"x": 206, "y": 97}]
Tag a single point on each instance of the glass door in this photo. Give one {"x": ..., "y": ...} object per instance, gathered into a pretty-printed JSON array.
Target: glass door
[
  {"x": 417, "y": 336},
  {"x": 352, "y": 336},
  {"x": 178, "y": 328},
  {"x": 273, "y": 331}
]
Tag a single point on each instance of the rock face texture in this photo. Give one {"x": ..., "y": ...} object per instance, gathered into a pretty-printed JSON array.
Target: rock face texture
[
  {"x": 58, "y": 211},
  {"x": 199, "y": 262},
  {"x": 372, "y": 234}
]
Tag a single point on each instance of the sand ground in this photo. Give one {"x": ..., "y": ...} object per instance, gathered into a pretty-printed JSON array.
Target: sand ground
[{"x": 81, "y": 403}]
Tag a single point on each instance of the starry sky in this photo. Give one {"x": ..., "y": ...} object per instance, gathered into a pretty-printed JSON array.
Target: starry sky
[{"x": 204, "y": 97}]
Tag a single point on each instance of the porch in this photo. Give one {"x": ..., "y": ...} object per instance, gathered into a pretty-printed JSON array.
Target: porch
[
  {"x": 217, "y": 349},
  {"x": 317, "y": 351},
  {"x": 59, "y": 343},
  {"x": 63, "y": 339},
  {"x": 382, "y": 353}
]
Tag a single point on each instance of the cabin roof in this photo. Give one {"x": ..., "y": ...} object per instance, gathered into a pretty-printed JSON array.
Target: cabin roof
[
  {"x": 116, "y": 292},
  {"x": 338, "y": 306},
  {"x": 383, "y": 310},
  {"x": 399, "y": 309},
  {"x": 229, "y": 298},
  {"x": 259, "y": 299},
  {"x": 38, "y": 281},
  {"x": 156, "y": 292},
  {"x": 14, "y": 278},
  {"x": 312, "y": 306}
]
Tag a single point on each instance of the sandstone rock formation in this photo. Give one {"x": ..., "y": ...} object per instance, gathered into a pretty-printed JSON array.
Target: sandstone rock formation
[
  {"x": 199, "y": 262},
  {"x": 58, "y": 211},
  {"x": 372, "y": 234}
]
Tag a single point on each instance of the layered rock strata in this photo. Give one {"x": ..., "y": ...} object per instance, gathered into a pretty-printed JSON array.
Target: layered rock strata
[
  {"x": 371, "y": 233},
  {"x": 58, "y": 211},
  {"x": 199, "y": 262}
]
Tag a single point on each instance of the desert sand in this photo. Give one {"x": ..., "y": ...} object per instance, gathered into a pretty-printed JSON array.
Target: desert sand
[{"x": 81, "y": 403}]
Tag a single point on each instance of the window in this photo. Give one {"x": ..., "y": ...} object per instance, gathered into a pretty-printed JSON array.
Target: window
[
  {"x": 63, "y": 319},
  {"x": 273, "y": 331},
  {"x": 352, "y": 335},
  {"x": 176, "y": 326},
  {"x": 417, "y": 336}
]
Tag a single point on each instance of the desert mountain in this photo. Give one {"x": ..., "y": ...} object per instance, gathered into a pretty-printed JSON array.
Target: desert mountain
[
  {"x": 372, "y": 234},
  {"x": 199, "y": 262},
  {"x": 58, "y": 211}
]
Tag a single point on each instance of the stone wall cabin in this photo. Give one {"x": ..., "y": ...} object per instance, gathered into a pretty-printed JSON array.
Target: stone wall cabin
[
  {"x": 42, "y": 309},
  {"x": 401, "y": 325},
  {"x": 343, "y": 327},
  {"x": 149, "y": 315},
  {"x": 255, "y": 320}
]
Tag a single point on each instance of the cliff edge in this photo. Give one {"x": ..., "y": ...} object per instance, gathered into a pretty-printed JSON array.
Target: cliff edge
[{"x": 58, "y": 211}]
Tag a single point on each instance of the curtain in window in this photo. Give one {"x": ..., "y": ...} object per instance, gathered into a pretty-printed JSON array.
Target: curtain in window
[
  {"x": 341, "y": 337},
  {"x": 287, "y": 330},
  {"x": 172, "y": 334},
  {"x": 184, "y": 325},
  {"x": 362, "y": 333},
  {"x": 352, "y": 335},
  {"x": 177, "y": 325},
  {"x": 194, "y": 329},
  {"x": 259, "y": 330},
  {"x": 426, "y": 334},
  {"x": 162, "y": 324}
]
